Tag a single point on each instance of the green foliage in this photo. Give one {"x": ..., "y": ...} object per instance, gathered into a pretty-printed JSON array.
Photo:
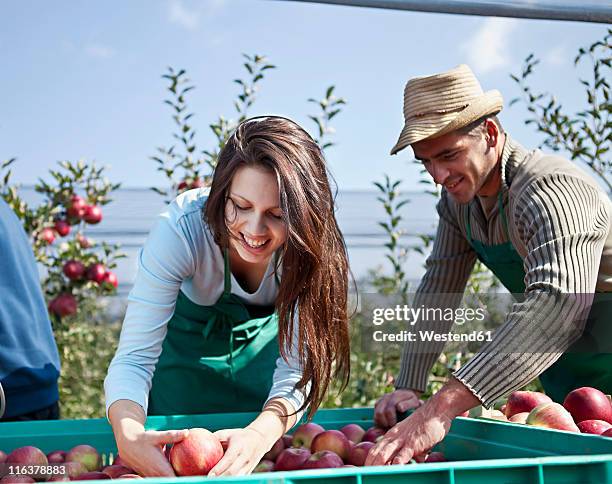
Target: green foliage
[
  {"x": 586, "y": 135},
  {"x": 330, "y": 106},
  {"x": 392, "y": 201},
  {"x": 182, "y": 164},
  {"x": 86, "y": 344}
]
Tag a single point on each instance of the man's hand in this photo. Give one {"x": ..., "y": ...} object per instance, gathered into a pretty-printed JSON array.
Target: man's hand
[
  {"x": 427, "y": 426},
  {"x": 387, "y": 406},
  {"x": 411, "y": 437}
]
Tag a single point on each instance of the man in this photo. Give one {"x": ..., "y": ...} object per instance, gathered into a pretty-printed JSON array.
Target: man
[
  {"x": 29, "y": 361},
  {"x": 543, "y": 228}
]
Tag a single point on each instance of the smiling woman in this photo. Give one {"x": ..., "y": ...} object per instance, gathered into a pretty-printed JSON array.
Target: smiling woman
[{"x": 240, "y": 302}]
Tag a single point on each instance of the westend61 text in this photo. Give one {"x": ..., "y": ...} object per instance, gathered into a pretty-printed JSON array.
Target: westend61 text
[
  {"x": 402, "y": 336},
  {"x": 411, "y": 315}
]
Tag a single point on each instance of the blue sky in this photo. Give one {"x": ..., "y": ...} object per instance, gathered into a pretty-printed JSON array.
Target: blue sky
[{"x": 82, "y": 79}]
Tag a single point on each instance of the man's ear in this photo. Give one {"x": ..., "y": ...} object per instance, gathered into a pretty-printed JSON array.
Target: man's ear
[{"x": 492, "y": 132}]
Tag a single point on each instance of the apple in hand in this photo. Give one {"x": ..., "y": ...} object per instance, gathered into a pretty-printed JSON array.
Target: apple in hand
[{"x": 196, "y": 454}]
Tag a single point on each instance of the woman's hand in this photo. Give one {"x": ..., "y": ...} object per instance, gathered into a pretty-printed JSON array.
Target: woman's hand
[
  {"x": 244, "y": 449},
  {"x": 142, "y": 450}
]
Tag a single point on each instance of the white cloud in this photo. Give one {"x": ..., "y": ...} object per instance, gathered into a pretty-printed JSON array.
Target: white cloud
[
  {"x": 488, "y": 49},
  {"x": 557, "y": 56},
  {"x": 189, "y": 17},
  {"x": 99, "y": 51}
]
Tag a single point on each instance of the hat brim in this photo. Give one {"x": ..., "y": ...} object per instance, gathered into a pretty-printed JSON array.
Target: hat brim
[{"x": 436, "y": 124}]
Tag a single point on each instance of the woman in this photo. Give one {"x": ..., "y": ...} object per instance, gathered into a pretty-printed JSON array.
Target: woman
[{"x": 227, "y": 280}]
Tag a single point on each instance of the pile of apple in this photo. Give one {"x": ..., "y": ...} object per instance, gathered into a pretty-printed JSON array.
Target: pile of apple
[
  {"x": 585, "y": 410},
  {"x": 313, "y": 447},
  {"x": 81, "y": 463}
]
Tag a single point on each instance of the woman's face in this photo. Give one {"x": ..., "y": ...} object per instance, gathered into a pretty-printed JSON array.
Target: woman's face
[{"x": 253, "y": 214}]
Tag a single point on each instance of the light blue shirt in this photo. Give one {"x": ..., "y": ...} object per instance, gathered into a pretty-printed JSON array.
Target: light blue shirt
[{"x": 180, "y": 254}]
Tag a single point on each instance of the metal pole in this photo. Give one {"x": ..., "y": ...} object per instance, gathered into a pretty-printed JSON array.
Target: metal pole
[{"x": 594, "y": 11}]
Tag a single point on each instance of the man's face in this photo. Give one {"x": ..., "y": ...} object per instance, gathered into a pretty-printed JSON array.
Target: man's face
[{"x": 461, "y": 163}]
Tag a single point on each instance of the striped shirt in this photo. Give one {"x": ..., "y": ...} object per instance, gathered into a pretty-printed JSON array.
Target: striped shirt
[{"x": 559, "y": 222}]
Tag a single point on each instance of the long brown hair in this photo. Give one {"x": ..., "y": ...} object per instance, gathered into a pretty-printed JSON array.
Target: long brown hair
[{"x": 314, "y": 282}]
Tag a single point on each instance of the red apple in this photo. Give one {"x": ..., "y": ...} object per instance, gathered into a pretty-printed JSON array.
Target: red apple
[
  {"x": 83, "y": 241},
  {"x": 332, "y": 440},
  {"x": 91, "y": 476},
  {"x": 588, "y": 403},
  {"x": 182, "y": 186},
  {"x": 62, "y": 227},
  {"x": 607, "y": 433},
  {"x": 288, "y": 440},
  {"x": 372, "y": 434},
  {"x": 520, "y": 417},
  {"x": 291, "y": 459},
  {"x": 93, "y": 214},
  {"x": 353, "y": 432},
  {"x": 435, "y": 457},
  {"x": 74, "y": 270},
  {"x": 59, "y": 478},
  {"x": 73, "y": 469},
  {"x": 196, "y": 454},
  {"x": 197, "y": 183},
  {"x": 523, "y": 401},
  {"x": 47, "y": 235},
  {"x": 276, "y": 449},
  {"x": 359, "y": 452},
  {"x": 265, "y": 465},
  {"x": 86, "y": 455},
  {"x": 63, "y": 305},
  {"x": 553, "y": 416},
  {"x": 76, "y": 207},
  {"x": 596, "y": 427},
  {"x": 324, "y": 459},
  {"x": 111, "y": 278},
  {"x": 15, "y": 478},
  {"x": 303, "y": 435},
  {"x": 56, "y": 457},
  {"x": 28, "y": 456},
  {"x": 3, "y": 456},
  {"x": 96, "y": 273},
  {"x": 114, "y": 471}
]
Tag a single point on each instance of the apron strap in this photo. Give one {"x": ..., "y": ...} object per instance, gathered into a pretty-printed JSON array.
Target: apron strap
[
  {"x": 227, "y": 274},
  {"x": 503, "y": 214}
]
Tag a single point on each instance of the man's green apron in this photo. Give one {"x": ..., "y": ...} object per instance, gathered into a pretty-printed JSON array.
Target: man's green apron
[
  {"x": 218, "y": 358},
  {"x": 578, "y": 366}
]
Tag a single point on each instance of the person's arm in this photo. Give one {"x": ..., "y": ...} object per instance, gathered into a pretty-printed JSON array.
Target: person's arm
[
  {"x": 165, "y": 260},
  {"x": 565, "y": 224},
  {"x": 448, "y": 269}
]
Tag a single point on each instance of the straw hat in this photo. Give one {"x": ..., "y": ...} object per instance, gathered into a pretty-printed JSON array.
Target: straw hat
[{"x": 438, "y": 104}]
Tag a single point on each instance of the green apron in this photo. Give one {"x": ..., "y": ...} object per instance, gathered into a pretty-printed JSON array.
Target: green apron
[
  {"x": 218, "y": 358},
  {"x": 582, "y": 364}
]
